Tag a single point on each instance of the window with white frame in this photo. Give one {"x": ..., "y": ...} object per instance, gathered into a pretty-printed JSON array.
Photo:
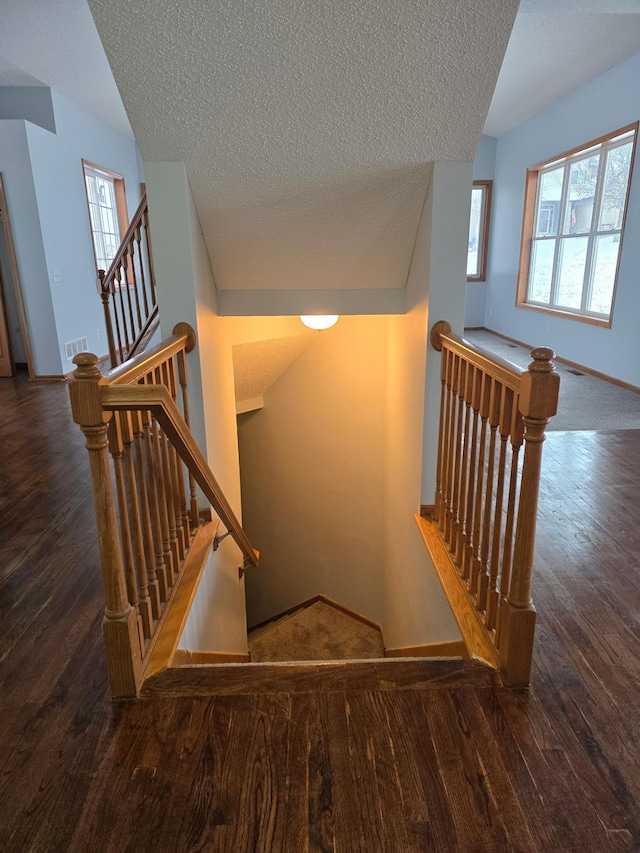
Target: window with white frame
[
  {"x": 575, "y": 208},
  {"x": 107, "y": 212}
]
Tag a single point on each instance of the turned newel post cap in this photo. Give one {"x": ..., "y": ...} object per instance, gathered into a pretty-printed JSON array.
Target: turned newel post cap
[
  {"x": 540, "y": 386},
  {"x": 85, "y": 391},
  {"x": 87, "y": 366},
  {"x": 542, "y": 360}
]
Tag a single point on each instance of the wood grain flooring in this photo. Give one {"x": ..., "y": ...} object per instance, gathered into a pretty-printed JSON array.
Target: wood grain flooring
[{"x": 458, "y": 768}]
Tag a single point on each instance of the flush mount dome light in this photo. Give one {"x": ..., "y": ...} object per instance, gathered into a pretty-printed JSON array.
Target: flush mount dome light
[{"x": 320, "y": 321}]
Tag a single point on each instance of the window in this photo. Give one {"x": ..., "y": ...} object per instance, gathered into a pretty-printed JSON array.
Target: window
[
  {"x": 574, "y": 216},
  {"x": 107, "y": 212},
  {"x": 479, "y": 231}
]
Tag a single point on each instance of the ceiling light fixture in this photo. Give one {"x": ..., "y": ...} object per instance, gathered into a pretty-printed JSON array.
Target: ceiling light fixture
[{"x": 320, "y": 321}]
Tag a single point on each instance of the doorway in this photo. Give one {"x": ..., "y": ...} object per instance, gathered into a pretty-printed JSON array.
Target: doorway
[{"x": 15, "y": 351}]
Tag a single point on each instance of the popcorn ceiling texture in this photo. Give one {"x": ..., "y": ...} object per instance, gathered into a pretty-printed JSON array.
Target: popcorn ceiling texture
[
  {"x": 258, "y": 364},
  {"x": 307, "y": 128}
]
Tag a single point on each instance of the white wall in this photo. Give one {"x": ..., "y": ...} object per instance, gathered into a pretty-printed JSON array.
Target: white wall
[
  {"x": 64, "y": 217},
  {"x": 415, "y": 610},
  {"x": 607, "y": 103},
  {"x": 312, "y": 475},
  {"x": 483, "y": 170},
  {"x": 186, "y": 292}
]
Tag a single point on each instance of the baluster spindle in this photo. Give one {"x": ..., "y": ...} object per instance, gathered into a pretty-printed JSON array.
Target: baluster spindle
[
  {"x": 143, "y": 281},
  {"x": 464, "y": 474},
  {"x": 184, "y": 515},
  {"x": 147, "y": 233},
  {"x": 479, "y": 496},
  {"x": 144, "y": 597},
  {"x": 459, "y": 391},
  {"x": 506, "y": 417},
  {"x": 494, "y": 417},
  {"x": 476, "y": 398},
  {"x": 153, "y": 488},
  {"x": 122, "y": 644},
  {"x": 131, "y": 267},
  {"x": 182, "y": 376},
  {"x": 154, "y": 588},
  {"x": 116, "y": 447}
]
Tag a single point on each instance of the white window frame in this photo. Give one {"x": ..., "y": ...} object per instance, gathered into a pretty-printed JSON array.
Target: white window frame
[{"x": 118, "y": 210}]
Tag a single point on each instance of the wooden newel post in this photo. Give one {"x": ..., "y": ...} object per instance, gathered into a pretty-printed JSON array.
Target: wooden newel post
[
  {"x": 105, "y": 296},
  {"x": 122, "y": 644},
  {"x": 538, "y": 403}
]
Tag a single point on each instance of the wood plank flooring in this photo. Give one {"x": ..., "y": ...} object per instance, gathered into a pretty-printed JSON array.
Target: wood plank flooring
[{"x": 458, "y": 768}]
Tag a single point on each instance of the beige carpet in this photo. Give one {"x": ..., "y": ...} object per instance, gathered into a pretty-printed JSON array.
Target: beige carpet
[
  {"x": 585, "y": 402},
  {"x": 316, "y": 632}
]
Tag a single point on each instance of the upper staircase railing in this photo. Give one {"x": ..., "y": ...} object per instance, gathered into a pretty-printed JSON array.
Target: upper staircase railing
[
  {"x": 146, "y": 503},
  {"x": 128, "y": 291},
  {"x": 487, "y": 490}
]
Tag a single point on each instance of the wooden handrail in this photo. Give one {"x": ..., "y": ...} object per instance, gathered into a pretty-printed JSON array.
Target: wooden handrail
[
  {"x": 109, "y": 275},
  {"x": 157, "y": 400},
  {"x": 141, "y": 450},
  {"x": 183, "y": 338},
  {"x": 486, "y": 494}
]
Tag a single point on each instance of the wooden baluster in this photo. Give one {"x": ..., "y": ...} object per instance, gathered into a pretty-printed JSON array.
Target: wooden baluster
[
  {"x": 105, "y": 296},
  {"x": 168, "y": 479},
  {"x": 451, "y": 447},
  {"x": 141, "y": 558},
  {"x": 143, "y": 281},
  {"x": 538, "y": 403},
  {"x": 127, "y": 290},
  {"x": 173, "y": 471},
  {"x": 156, "y": 524},
  {"x": 464, "y": 473},
  {"x": 438, "y": 502},
  {"x": 125, "y": 343},
  {"x": 476, "y": 398},
  {"x": 184, "y": 515},
  {"x": 116, "y": 448},
  {"x": 479, "y": 489},
  {"x": 182, "y": 376},
  {"x": 459, "y": 390},
  {"x": 122, "y": 644},
  {"x": 506, "y": 419},
  {"x": 158, "y": 456},
  {"x": 147, "y": 233},
  {"x": 132, "y": 272},
  {"x": 147, "y": 528},
  {"x": 517, "y": 438},
  {"x": 448, "y": 362},
  {"x": 494, "y": 418}
]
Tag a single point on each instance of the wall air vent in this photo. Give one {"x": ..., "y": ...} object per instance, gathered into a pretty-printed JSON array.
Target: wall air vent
[{"x": 74, "y": 347}]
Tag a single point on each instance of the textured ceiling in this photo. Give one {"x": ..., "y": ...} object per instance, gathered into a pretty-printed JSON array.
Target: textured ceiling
[
  {"x": 55, "y": 43},
  {"x": 257, "y": 364},
  {"x": 307, "y": 128},
  {"x": 556, "y": 47}
]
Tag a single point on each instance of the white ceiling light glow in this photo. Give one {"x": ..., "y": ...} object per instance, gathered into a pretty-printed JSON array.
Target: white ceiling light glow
[{"x": 320, "y": 321}]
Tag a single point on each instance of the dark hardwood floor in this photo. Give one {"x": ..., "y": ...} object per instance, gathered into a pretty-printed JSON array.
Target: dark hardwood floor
[{"x": 555, "y": 768}]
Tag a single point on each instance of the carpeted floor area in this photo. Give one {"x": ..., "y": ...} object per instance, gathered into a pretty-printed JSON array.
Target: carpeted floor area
[
  {"x": 585, "y": 402},
  {"x": 316, "y": 632}
]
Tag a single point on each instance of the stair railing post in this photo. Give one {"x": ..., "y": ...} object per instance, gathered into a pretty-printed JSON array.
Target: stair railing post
[
  {"x": 538, "y": 403},
  {"x": 105, "y": 296},
  {"x": 122, "y": 642}
]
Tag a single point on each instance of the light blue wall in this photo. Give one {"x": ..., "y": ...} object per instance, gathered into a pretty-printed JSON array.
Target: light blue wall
[
  {"x": 32, "y": 103},
  {"x": 609, "y": 102},
  {"x": 64, "y": 218},
  {"x": 22, "y": 206},
  {"x": 483, "y": 170}
]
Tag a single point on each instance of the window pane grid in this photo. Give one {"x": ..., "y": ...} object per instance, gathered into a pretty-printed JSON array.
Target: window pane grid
[
  {"x": 577, "y": 228},
  {"x": 103, "y": 216}
]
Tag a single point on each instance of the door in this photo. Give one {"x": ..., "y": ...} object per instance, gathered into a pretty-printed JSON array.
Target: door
[{"x": 6, "y": 364}]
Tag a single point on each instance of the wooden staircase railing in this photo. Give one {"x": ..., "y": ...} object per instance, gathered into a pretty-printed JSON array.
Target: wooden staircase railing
[
  {"x": 148, "y": 528},
  {"x": 128, "y": 291},
  {"x": 487, "y": 494}
]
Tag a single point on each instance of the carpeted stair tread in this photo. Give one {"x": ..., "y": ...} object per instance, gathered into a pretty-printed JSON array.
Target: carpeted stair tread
[{"x": 316, "y": 632}]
